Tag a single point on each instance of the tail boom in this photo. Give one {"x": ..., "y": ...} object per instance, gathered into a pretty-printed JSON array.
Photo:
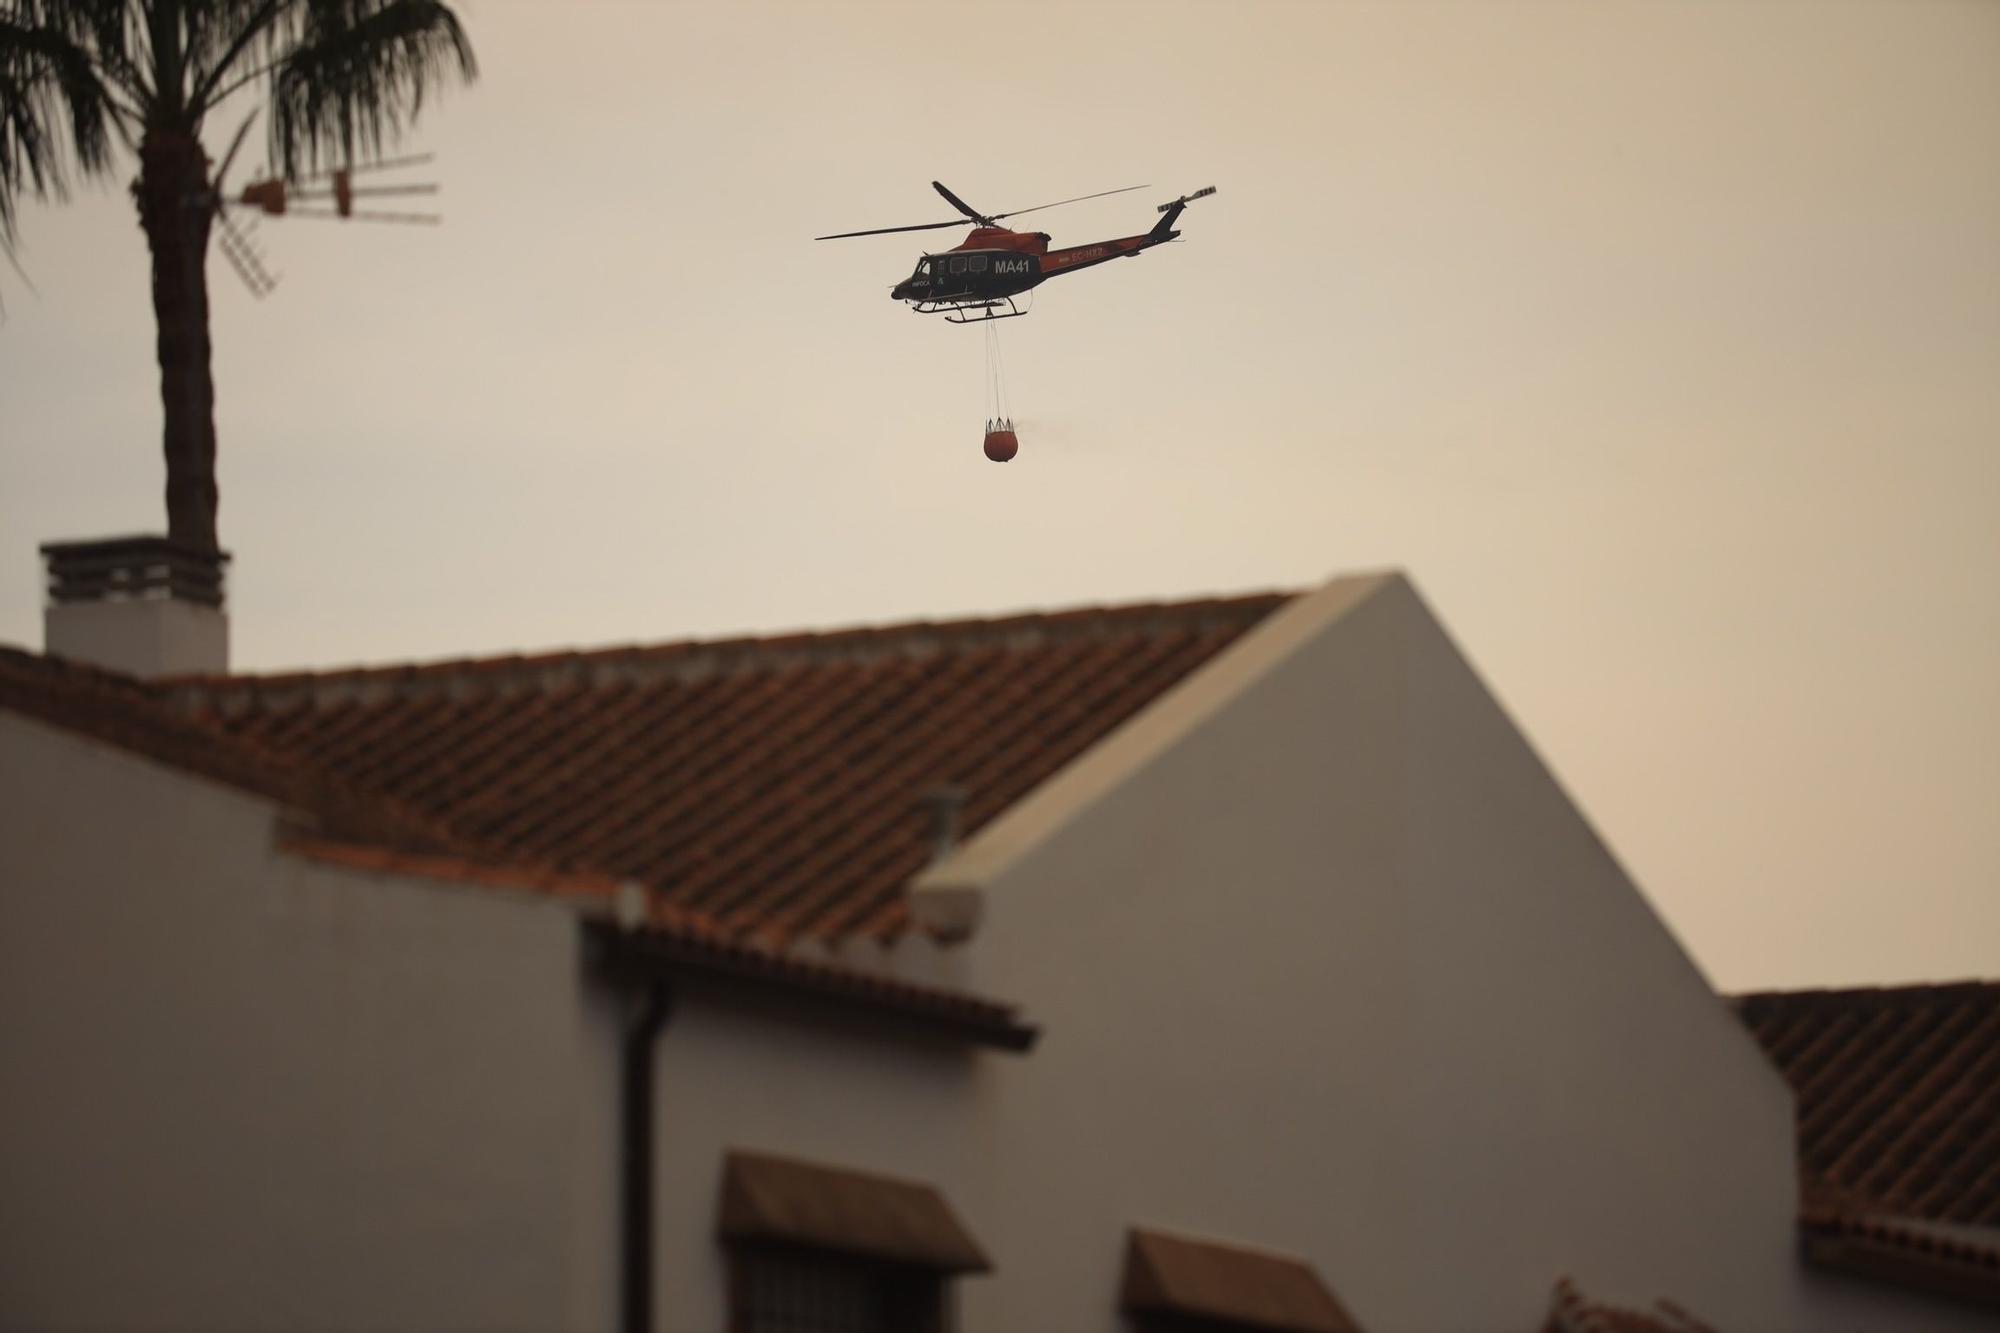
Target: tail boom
[{"x": 1098, "y": 252}]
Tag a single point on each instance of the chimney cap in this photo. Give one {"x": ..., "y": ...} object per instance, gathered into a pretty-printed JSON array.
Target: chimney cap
[
  {"x": 145, "y": 605},
  {"x": 109, "y": 569}
]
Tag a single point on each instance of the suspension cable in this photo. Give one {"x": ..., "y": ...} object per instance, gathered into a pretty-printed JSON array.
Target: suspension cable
[{"x": 996, "y": 378}]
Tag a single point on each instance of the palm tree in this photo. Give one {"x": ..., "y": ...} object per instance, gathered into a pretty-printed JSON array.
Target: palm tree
[{"x": 79, "y": 77}]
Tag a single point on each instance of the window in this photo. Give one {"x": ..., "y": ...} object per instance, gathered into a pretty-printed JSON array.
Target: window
[
  {"x": 1156, "y": 1321},
  {"x": 798, "y": 1290},
  {"x": 975, "y": 263},
  {"x": 957, "y": 264},
  {"x": 822, "y": 1249}
]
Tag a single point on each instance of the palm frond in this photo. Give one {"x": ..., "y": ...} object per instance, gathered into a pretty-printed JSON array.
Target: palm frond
[
  {"x": 358, "y": 74},
  {"x": 113, "y": 27},
  {"x": 53, "y": 107},
  {"x": 103, "y": 29},
  {"x": 234, "y": 33}
]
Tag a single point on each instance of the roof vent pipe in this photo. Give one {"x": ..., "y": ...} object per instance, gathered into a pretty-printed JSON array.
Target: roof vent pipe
[
  {"x": 944, "y": 802},
  {"x": 948, "y": 915}
]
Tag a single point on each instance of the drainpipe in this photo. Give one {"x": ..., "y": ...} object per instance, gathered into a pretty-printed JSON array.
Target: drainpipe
[{"x": 642, "y": 1028}]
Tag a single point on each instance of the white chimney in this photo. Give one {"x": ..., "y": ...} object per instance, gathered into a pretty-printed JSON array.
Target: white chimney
[{"x": 145, "y": 606}]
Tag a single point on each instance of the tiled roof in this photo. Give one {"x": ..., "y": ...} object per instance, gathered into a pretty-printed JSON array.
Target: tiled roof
[
  {"x": 1910, "y": 1254},
  {"x": 776, "y": 785},
  {"x": 1570, "y": 1311},
  {"x": 129, "y": 714},
  {"x": 1898, "y": 1095}
]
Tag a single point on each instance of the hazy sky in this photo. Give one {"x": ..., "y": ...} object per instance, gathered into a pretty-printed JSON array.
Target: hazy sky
[{"x": 1660, "y": 343}]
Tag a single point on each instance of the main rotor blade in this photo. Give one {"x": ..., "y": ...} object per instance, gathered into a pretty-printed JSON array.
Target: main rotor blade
[
  {"x": 967, "y": 209},
  {"x": 961, "y": 205},
  {"x": 1123, "y": 189},
  {"x": 883, "y": 231}
]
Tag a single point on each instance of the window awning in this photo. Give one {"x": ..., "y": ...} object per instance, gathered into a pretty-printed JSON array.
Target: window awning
[
  {"x": 1182, "y": 1276},
  {"x": 783, "y": 1200}
]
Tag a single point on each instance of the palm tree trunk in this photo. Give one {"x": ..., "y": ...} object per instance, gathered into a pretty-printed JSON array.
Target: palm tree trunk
[{"x": 175, "y": 211}]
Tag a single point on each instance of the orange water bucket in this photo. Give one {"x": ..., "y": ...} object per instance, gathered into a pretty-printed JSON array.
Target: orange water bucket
[{"x": 1001, "y": 442}]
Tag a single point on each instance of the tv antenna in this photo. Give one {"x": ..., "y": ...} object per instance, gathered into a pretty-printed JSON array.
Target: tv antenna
[{"x": 329, "y": 194}]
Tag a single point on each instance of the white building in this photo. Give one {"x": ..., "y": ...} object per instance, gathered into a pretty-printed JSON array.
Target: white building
[{"x": 1227, "y": 965}]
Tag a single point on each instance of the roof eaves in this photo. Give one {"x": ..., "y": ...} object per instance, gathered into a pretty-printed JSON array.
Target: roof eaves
[
  {"x": 1751, "y": 1003},
  {"x": 677, "y": 944},
  {"x": 457, "y": 869},
  {"x": 696, "y": 659},
  {"x": 1898, "y": 1251},
  {"x": 713, "y": 960}
]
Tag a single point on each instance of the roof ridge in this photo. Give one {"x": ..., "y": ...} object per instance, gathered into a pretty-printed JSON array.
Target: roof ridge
[
  {"x": 678, "y": 934},
  {"x": 1964, "y": 988},
  {"x": 695, "y": 658},
  {"x": 132, "y": 715}
]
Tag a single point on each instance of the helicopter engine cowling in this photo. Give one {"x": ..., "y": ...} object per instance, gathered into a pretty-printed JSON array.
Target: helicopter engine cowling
[{"x": 999, "y": 238}]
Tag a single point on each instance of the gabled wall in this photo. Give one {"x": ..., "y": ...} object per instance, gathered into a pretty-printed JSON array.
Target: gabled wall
[
  {"x": 240, "y": 1091},
  {"x": 1329, "y": 963}
]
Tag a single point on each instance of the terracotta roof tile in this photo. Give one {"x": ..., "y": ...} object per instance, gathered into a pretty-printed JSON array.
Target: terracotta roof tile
[
  {"x": 1911, "y": 1254},
  {"x": 1898, "y": 1094},
  {"x": 1570, "y": 1311},
  {"x": 132, "y": 715},
  {"x": 774, "y": 784}
]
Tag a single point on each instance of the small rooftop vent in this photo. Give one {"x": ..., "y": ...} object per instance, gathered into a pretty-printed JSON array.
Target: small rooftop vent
[
  {"x": 944, "y": 802},
  {"x": 948, "y": 915},
  {"x": 147, "y": 606}
]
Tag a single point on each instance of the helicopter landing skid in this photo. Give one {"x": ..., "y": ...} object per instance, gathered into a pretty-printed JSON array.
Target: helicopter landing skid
[{"x": 971, "y": 312}]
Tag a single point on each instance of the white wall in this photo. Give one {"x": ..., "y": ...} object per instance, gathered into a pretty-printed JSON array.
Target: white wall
[
  {"x": 241, "y": 1091},
  {"x": 143, "y": 637},
  {"x": 728, "y": 1077}
]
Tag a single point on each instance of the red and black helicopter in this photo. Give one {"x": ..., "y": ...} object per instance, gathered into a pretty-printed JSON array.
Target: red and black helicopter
[{"x": 978, "y": 278}]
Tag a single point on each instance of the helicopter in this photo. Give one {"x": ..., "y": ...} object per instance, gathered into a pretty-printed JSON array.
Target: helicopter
[{"x": 978, "y": 279}]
